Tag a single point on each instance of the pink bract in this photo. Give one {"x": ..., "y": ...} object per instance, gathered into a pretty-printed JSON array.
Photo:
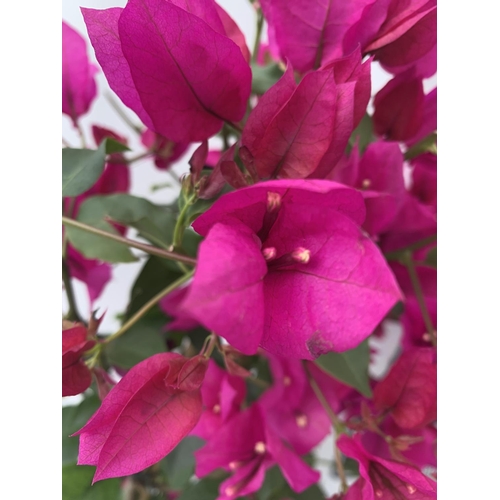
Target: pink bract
[
  {"x": 285, "y": 266},
  {"x": 153, "y": 407},
  {"x": 246, "y": 446},
  {"x": 78, "y": 75},
  {"x": 384, "y": 479},
  {"x": 184, "y": 77},
  {"x": 76, "y": 377},
  {"x": 297, "y": 131}
]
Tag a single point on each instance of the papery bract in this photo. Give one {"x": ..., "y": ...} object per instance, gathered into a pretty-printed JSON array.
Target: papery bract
[
  {"x": 297, "y": 131},
  {"x": 284, "y": 265},
  {"x": 409, "y": 390},
  {"x": 184, "y": 77},
  {"x": 78, "y": 74},
  {"x": 310, "y": 34},
  {"x": 222, "y": 395},
  {"x": 399, "y": 108},
  {"x": 292, "y": 408},
  {"x": 248, "y": 447},
  {"x": 382, "y": 479},
  {"x": 399, "y": 33},
  {"x": 379, "y": 176},
  {"x": 153, "y": 407},
  {"x": 76, "y": 377}
]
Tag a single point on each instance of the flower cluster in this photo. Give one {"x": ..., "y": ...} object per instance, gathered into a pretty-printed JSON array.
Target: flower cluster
[{"x": 290, "y": 247}]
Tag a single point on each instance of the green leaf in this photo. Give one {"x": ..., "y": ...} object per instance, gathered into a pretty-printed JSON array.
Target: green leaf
[
  {"x": 73, "y": 419},
  {"x": 156, "y": 275},
  {"x": 273, "y": 483},
  {"x": 426, "y": 145},
  {"x": 139, "y": 342},
  {"x": 431, "y": 258},
  {"x": 363, "y": 133},
  {"x": 264, "y": 77},
  {"x": 205, "y": 489},
  {"x": 350, "y": 367},
  {"x": 97, "y": 247},
  {"x": 76, "y": 485},
  {"x": 179, "y": 464},
  {"x": 275, "y": 487},
  {"x": 155, "y": 223},
  {"x": 81, "y": 168},
  {"x": 114, "y": 146}
]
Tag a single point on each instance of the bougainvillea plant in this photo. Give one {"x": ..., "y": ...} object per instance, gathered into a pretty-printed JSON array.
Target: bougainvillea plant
[{"x": 249, "y": 334}]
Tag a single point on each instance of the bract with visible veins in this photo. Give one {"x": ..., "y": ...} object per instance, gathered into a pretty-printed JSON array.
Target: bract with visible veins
[
  {"x": 409, "y": 390},
  {"x": 284, "y": 265},
  {"x": 310, "y": 33},
  {"x": 298, "y": 131},
  {"x": 384, "y": 479},
  {"x": 172, "y": 63},
  {"x": 151, "y": 409}
]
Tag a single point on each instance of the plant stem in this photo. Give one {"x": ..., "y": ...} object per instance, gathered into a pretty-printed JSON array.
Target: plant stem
[
  {"x": 130, "y": 243},
  {"x": 146, "y": 307},
  {"x": 337, "y": 425},
  {"x": 121, "y": 114},
  {"x": 73, "y": 311},
  {"x": 256, "y": 45},
  {"x": 397, "y": 254},
  {"x": 180, "y": 225},
  {"x": 207, "y": 351},
  {"x": 412, "y": 271},
  {"x": 129, "y": 161}
]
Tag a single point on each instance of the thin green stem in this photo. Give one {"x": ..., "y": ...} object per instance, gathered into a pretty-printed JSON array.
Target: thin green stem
[
  {"x": 130, "y": 243},
  {"x": 72, "y": 314},
  {"x": 181, "y": 223},
  {"x": 121, "y": 114},
  {"x": 210, "y": 345},
  {"x": 129, "y": 161},
  {"x": 336, "y": 423},
  {"x": 415, "y": 282},
  {"x": 256, "y": 45},
  {"x": 82, "y": 135},
  {"x": 146, "y": 307},
  {"x": 397, "y": 254}
]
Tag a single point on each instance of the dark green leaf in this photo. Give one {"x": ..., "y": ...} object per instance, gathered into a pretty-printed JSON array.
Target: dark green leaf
[
  {"x": 273, "y": 483},
  {"x": 275, "y": 487},
  {"x": 431, "y": 258},
  {"x": 350, "y": 367},
  {"x": 155, "y": 223},
  {"x": 114, "y": 146},
  {"x": 97, "y": 247},
  {"x": 139, "y": 342},
  {"x": 426, "y": 145},
  {"x": 76, "y": 485},
  {"x": 81, "y": 168},
  {"x": 153, "y": 278},
  {"x": 73, "y": 419},
  {"x": 205, "y": 489},
  {"x": 264, "y": 77},
  {"x": 363, "y": 133},
  {"x": 179, "y": 464}
]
